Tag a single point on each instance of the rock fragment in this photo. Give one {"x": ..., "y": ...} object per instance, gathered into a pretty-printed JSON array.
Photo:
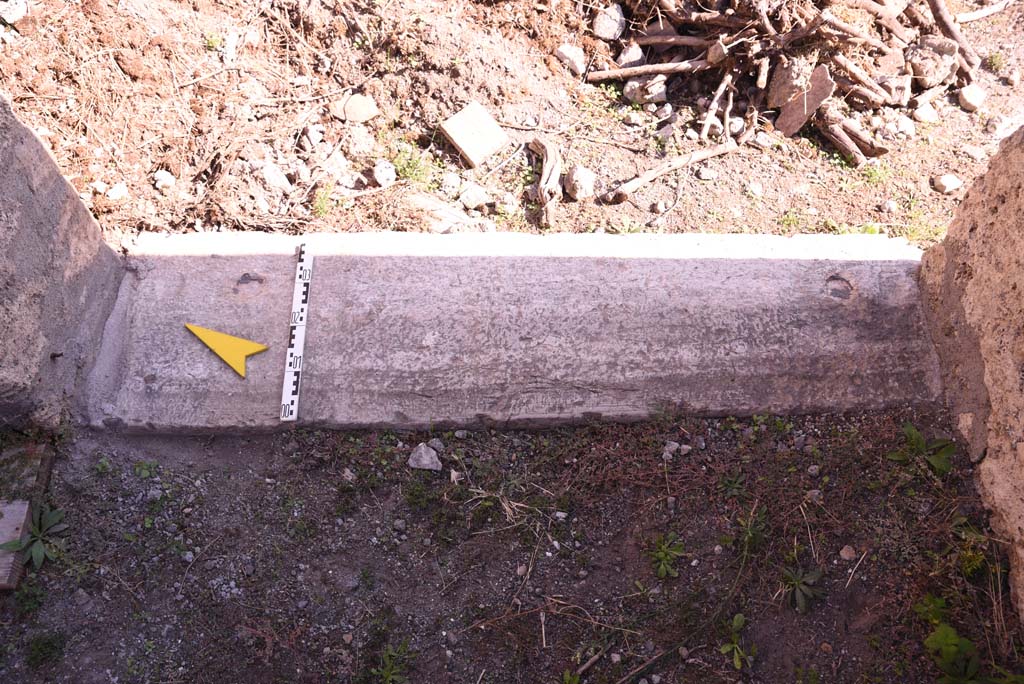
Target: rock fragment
[
  {"x": 947, "y": 183},
  {"x": 609, "y": 23},
  {"x": 971, "y": 97},
  {"x": 384, "y": 173},
  {"x": 424, "y": 458},
  {"x": 573, "y": 58},
  {"x": 580, "y": 182}
]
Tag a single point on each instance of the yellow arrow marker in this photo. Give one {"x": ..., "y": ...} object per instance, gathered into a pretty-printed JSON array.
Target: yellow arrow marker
[{"x": 232, "y": 350}]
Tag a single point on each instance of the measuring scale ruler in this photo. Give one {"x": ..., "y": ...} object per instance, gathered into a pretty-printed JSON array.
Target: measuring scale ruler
[{"x": 296, "y": 337}]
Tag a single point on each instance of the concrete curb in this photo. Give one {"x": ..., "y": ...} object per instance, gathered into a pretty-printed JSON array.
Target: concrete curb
[{"x": 415, "y": 330}]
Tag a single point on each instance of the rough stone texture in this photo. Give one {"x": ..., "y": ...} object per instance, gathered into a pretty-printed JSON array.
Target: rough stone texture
[
  {"x": 58, "y": 281},
  {"x": 974, "y": 286},
  {"x": 13, "y": 522},
  {"x": 416, "y": 330},
  {"x": 799, "y": 108}
]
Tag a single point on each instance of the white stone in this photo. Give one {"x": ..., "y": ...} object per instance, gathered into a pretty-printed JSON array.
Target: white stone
[
  {"x": 947, "y": 183},
  {"x": 632, "y": 55},
  {"x": 974, "y": 152},
  {"x": 705, "y": 173},
  {"x": 580, "y": 182},
  {"x": 424, "y": 458},
  {"x": 755, "y": 188},
  {"x": 1013, "y": 80},
  {"x": 384, "y": 173},
  {"x": 275, "y": 178},
  {"x": 13, "y": 11},
  {"x": 905, "y": 126},
  {"x": 634, "y": 118},
  {"x": 890, "y": 206},
  {"x": 764, "y": 140},
  {"x": 118, "y": 192},
  {"x": 474, "y": 196},
  {"x": 926, "y": 114},
  {"x": 163, "y": 180},
  {"x": 450, "y": 184},
  {"x": 98, "y": 187},
  {"x": 646, "y": 89},
  {"x": 972, "y": 97},
  {"x": 572, "y": 57},
  {"x": 609, "y": 23}
]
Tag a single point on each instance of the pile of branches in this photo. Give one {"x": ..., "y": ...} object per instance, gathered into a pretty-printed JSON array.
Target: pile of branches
[{"x": 807, "y": 60}]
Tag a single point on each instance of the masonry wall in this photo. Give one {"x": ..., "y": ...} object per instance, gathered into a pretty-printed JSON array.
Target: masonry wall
[
  {"x": 58, "y": 281},
  {"x": 974, "y": 288}
]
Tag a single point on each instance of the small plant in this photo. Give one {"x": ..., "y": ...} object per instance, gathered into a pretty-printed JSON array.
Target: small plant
[
  {"x": 570, "y": 677},
  {"x": 103, "y": 466},
  {"x": 40, "y": 542},
  {"x": 752, "y": 530},
  {"x": 145, "y": 470},
  {"x": 931, "y": 609},
  {"x": 732, "y": 485},
  {"x": 411, "y": 165},
  {"x": 875, "y": 173},
  {"x": 394, "y": 663},
  {"x": 790, "y": 220},
  {"x": 212, "y": 41},
  {"x": 995, "y": 62},
  {"x": 799, "y": 587},
  {"x": 28, "y": 598},
  {"x": 667, "y": 549},
  {"x": 44, "y": 649},
  {"x": 956, "y": 657},
  {"x": 322, "y": 202},
  {"x": 935, "y": 453},
  {"x": 733, "y": 649}
]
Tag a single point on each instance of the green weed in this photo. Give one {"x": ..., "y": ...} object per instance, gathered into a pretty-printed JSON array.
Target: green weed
[
  {"x": 40, "y": 541},
  {"x": 935, "y": 453},
  {"x": 667, "y": 549},
  {"x": 44, "y": 649},
  {"x": 394, "y": 664},
  {"x": 799, "y": 587},
  {"x": 733, "y": 649}
]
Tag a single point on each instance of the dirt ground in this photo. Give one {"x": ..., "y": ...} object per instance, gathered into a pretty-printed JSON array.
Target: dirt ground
[
  {"x": 221, "y": 94},
  {"x": 322, "y": 557}
]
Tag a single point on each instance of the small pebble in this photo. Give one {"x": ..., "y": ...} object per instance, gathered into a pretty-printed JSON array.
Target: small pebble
[
  {"x": 814, "y": 470},
  {"x": 848, "y": 553},
  {"x": 815, "y": 496},
  {"x": 616, "y": 658},
  {"x": 826, "y": 647},
  {"x": 384, "y": 173},
  {"x": 521, "y": 571},
  {"x": 947, "y": 183},
  {"x": 705, "y": 173}
]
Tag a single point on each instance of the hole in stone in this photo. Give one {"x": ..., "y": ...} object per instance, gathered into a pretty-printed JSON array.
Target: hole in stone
[{"x": 838, "y": 287}]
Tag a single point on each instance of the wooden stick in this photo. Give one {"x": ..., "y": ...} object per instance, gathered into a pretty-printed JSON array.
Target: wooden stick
[
  {"x": 859, "y": 75},
  {"x": 948, "y": 26},
  {"x": 841, "y": 140},
  {"x": 682, "y": 67},
  {"x": 621, "y": 193},
  {"x": 865, "y": 142},
  {"x": 763, "y": 65},
  {"x": 869, "y": 97},
  {"x": 841, "y": 26},
  {"x": 926, "y": 96},
  {"x": 684, "y": 41},
  {"x": 713, "y": 106},
  {"x": 885, "y": 16},
  {"x": 995, "y": 7}
]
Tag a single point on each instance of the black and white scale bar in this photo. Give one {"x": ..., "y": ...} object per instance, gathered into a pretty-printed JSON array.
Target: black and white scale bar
[{"x": 296, "y": 337}]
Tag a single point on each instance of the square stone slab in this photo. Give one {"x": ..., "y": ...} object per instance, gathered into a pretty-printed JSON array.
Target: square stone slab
[
  {"x": 13, "y": 521},
  {"x": 475, "y": 133}
]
